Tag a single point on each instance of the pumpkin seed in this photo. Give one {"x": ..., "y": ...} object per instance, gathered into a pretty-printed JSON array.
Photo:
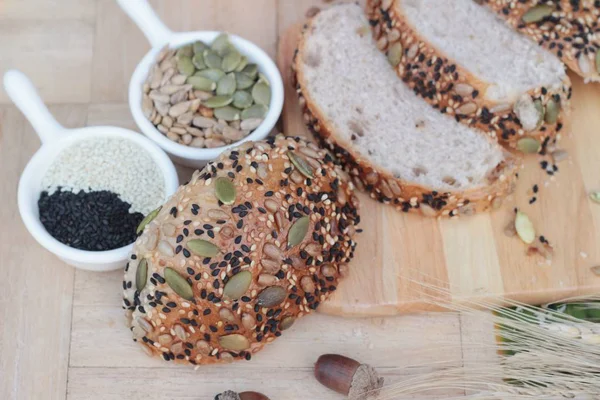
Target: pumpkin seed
[
  {"x": 271, "y": 296},
  {"x": 540, "y": 110},
  {"x": 598, "y": 61},
  {"x": 201, "y": 83},
  {"x": 227, "y": 113},
  {"x": 147, "y": 220},
  {"x": 595, "y": 197},
  {"x": 141, "y": 275},
  {"x": 212, "y": 59},
  {"x": 263, "y": 79},
  {"x": 244, "y": 61},
  {"x": 395, "y": 54},
  {"x": 203, "y": 248},
  {"x": 301, "y": 164},
  {"x": 235, "y": 342},
  {"x": 237, "y": 285},
  {"x": 213, "y": 74},
  {"x": 185, "y": 66},
  {"x": 218, "y": 101},
  {"x": 537, "y": 13},
  {"x": 178, "y": 283},
  {"x": 552, "y": 110},
  {"x": 185, "y": 51},
  {"x": 226, "y": 85},
  {"x": 231, "y": 61},
  {"x": 528, "y": 145},
  {"x": 298, "y": 231},
  {"x": 286, "y": 323},
  {"x": 243, "y": 80},
  {"x": 255, "y": 111},
  {"x": 261, "y": 94},
  {"x": 221, "y": 44},
  {"x": 242, "y": 99},
  {"x": 251, "y": 70},
  {"x": 225, "y": 190},
  {"x": 198, "y": 61},
  {"x": 524, "y": 227},
  {"x": 199, "y": 47}
]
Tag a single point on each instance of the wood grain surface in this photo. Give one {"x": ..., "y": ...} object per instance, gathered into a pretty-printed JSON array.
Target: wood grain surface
[
  {"x": 62, "y": 332},
  {"x": 472, "y": 256}
]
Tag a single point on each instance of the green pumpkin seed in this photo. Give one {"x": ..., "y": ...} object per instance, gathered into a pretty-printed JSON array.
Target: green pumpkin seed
[
  {"x": 256, "y": 111},
  {"x": 202, "y": 248},
  {"x": 598, "y": 61},
  {"x": 286, "y": 323},
  {"x": 271, "y": 296},
  {"x": 198, "y": 61},
  {"x": 263, "y": 79},
  {"x": 234, "y": 342},
  {"x": 147, "y": 220},
  {"x": 595, "y": 197},
  {"x": 524, "y": 228},
  {"x": 141, "y": 275},
  {"x": 226, "y": 85},
  {"x": 537, "y": 13},
  {"x": 261, "y": 94},
  {"x": 576, "y": 311},
  {"x": 178, "y": 283},
  {"x": 221, "y": 44},
  {"x": 242, "y": 64},
  {"x": 552, "y": 110},
  {"x": 395, "y": 54},
  {"x": 251, "y": 70},
  {"x": 242, "y": 99},
  {"x": 528, "y": 145},
  {"x": 243, "y": 80},
  {"x": 301, "y": 164},
  {"x": 218, "y": 101},
  {"x": 212, "y": 59},
  {"x": 237, "y": 285},
  {"x": 227, "y": 113},
  {"x": 185, "y": 51},
  {"x": 199, "y": 47},
  {"x": 185, "y": 66},
  {"x": 213, "y": 74},
  {"x": 231, "y": 61},
  {"x": 201, "y": 83},
  {"x": 298, "y": 231},
  {"x": 540, "y": 110},
  {"x": 225, "y": 190}
]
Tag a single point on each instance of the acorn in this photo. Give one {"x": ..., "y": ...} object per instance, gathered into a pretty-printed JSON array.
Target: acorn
[
  {"x": 231, "y": 395},
  {"x": 348, "y": 377}
]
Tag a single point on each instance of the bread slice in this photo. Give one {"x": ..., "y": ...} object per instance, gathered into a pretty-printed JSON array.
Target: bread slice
[
  {"x": 569, "y": 29},
  {"x": 467, "y": 63},
  {"x": 391, "y": 141}
]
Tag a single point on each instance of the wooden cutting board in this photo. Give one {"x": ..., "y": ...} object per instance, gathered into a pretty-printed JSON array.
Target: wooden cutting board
[{"x": 473, "y": 257}]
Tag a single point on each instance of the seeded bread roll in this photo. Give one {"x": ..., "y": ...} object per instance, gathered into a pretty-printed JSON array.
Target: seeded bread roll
[
  {"x": 569, "y": 29},
  {"x": 467, "y": 63},
  {"x": 254, "y": 241},
  {"x": 392, "y": 142}
]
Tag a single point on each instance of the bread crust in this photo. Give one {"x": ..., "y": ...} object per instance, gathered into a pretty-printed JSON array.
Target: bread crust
[
  {"x": 271, "y": 196},
  {"x": 571, "y": 32},
  {"x": 453, "y": 89},
  {"x": 381, "y": 184}
]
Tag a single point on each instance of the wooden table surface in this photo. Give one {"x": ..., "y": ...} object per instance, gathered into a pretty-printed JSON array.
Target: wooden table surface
[{"x": 62, "y": 332}]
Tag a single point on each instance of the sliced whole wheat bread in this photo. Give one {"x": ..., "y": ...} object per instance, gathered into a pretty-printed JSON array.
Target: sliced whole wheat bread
[
  {"x": 467, "y": 63},
  {"x": 393, "y": 144},
  {"x": 569, "y": 29}
]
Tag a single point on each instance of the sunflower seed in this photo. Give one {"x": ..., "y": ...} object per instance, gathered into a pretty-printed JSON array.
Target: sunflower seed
[
  {"x": 147, "y": 220},
  {"x": 213, "y": 74},
  {"x": 202, "y": 248},
  {"x": 273, "y": 252},
  {"x": 141, "y": 275},
  {"x": 233, "y": 134},
  {"x": 235, "y": 342},
  {"x": 595, "y": 197},
  {"x": 227, "y": 113},
  {"x": 552, "y": 110},
  {"x": 537, "y": 13},
  {"x": 213, "y": 142},
  {"x": 328, "y": 270},
  {"x": 145, "y": 325},
  {"x": 178, "y": 109},
  {"x": 466, "y": 109},
  {"x": 186, "y": 118},
  {"x": 231, "y": 61},
  {"x": 251, "y": 124},
  {"x": 148, "y": 106},
  {"x": 529, "y": 145},
  {"x": 462, "y": 89},
  {"x": 203, "y": 122},
  {"x": 269, "y": 266},
  {"x": 155, "y": 78},
  {"x": 271, "y": 296},
  {"x": 165, "y": 339},
  {"x": 178, "y": 284},
  {"x": 242, "y": 99},
  {"x": 198, "y": 61},
  {"x": 395, "y": 54},
  {"x": 185, "y": 66},
  {"x": 262, "y": 171},
  {"x": 202, "y": 96},
  {"x": 167, "y": 76},
  {"x": 301, "y": 164},
  {"x": 178, "y": 97},
  {"x": 237, "y": 285},
  {"x": 298, "y": 231},
  {"x": 225, "y": 190},
  {"x": 199, "y": 47},
  {"x": 286, "y": 323},
  {"x": 226, "y": 314},
  {"x": 212, "y": 59},
  {"x": 197, "y": 142},
  {"x": 171, "y": 89},
  {"x": 307, "y": 284},
  {"x": 243, "y": 80},
  {"x": 248, "y": 321},
  {"x": 226, "y": 85},
  {"x": 559, "y": 155},
  {"x": 524, "y": 227}
]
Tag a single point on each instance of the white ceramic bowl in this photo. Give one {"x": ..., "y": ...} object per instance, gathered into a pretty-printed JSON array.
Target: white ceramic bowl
[
  {"x": 159, "y": 36},
  {"x": 55, "y": 138}
]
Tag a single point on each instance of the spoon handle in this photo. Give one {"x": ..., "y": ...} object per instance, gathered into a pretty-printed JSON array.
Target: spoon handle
[
  {"x": 146, "y": 19},
  {"x": 22, "y": 92}
]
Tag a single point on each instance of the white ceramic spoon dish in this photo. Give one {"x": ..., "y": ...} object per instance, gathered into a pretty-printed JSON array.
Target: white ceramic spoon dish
[
  {"x": 54, "y": 139},
  {"x": 159, "y": 36}
]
